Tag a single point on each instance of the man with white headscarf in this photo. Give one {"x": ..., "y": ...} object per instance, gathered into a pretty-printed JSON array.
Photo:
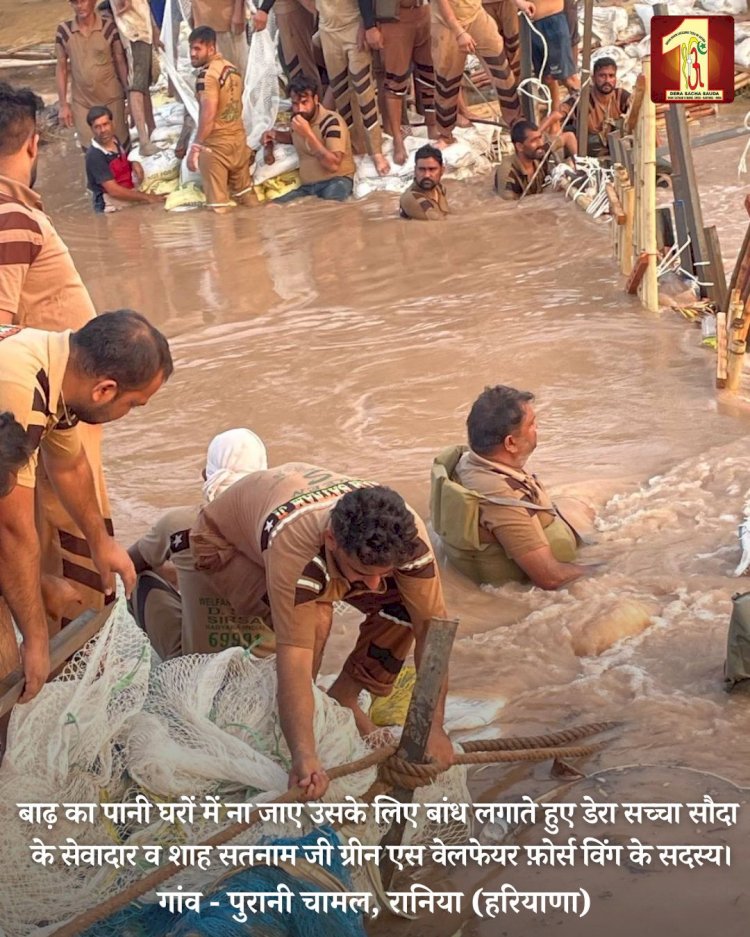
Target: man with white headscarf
[{"x": 156, "y": 603}]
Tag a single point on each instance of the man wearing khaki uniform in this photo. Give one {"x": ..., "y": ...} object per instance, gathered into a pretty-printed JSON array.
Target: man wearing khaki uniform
[
  {"x": 296, "y": 22},
  {"x": 227, "y": 19},
  {"x": 461, "y": 27},
  {"x": 220, "y": 148},
  {"x": 89, "y": 49}
]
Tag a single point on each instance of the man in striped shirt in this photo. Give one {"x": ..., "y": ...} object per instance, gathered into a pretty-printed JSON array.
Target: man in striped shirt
[{"x": 51, "y": 381}]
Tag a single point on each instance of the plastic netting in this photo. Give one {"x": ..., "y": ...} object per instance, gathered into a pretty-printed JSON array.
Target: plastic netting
[{"x": 117, "y": 723}]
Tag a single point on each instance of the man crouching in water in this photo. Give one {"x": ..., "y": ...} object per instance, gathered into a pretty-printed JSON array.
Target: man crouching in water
[
  {"x": 496, "y": 520},
  {"x": 426, "y": 200}
]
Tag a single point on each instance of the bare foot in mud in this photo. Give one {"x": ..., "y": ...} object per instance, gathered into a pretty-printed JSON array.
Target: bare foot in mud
[
  {"x": 381, "y": 164},
  {"x": 399, "y": 152},
  {"x": 224, "y": 210}
]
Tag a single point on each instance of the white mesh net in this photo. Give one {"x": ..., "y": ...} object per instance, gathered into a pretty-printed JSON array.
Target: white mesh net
[{"x": 116, "y": 723}]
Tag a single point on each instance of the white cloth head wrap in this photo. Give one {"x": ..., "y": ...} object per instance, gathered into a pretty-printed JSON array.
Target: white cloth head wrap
[{"x": 231, "y": 456}]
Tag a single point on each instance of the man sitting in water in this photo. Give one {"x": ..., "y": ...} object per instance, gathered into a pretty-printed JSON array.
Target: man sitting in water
[
  {"x": 518, "y": 174},
  {"x": 321, "y": 138},
  {"x": 496, "y": 520},
  {"x": 110, "y": 175},
  {"x": 425, "y": 200},
  {"x": 607, "y": 105}
]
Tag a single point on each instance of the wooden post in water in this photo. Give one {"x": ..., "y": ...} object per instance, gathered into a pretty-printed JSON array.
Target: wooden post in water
[
  {"x": 527, "y": 69},
  {"x": 649, "y": 290},
  {"x": 583, "y": 107},
  {"x": 432, "y": 671}
]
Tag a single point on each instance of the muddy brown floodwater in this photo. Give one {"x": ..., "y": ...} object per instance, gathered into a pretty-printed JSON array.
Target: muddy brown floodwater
[{"x": 349, "y": 338}]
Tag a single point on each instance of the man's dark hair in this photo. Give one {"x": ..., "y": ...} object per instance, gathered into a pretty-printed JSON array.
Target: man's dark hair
[
  {"x": 375, "y": 526},
  {"x": 122, "y": 346},
  {"x": 495, "y": 414},
  {"x": 18, "y": 110},
  {"x": 96, "y": 112},
  {"x": 203, "y": 34},
  {"x": 604, "y": 62},
  {"x": 300, "y": 84},
  {"x": 428, "y": 151},
  {"x": 520, "y": 129},
  {"x": 15, "y": 449}
]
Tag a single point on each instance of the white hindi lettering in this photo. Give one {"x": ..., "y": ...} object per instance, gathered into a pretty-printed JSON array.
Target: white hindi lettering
[
  {"x": 709, "y": 813},
  {"x": 514, "y": 814},
  {"x": 138, "y": 812},
  {"x": 178, "y": 812},
  {"x": 280, "y": 813},
  {"x": 350, "y": 812},
  {"x": 389, "y": 810},
  {"x": 405, "y": 856},
  {"x": 491, "y": 904},
  {"x": 355, "y": 853},
  {"x": 593, "y": 812},
  {"x": 187, "y": 855},
  {"x": 600, "y": 851},
  {"x": 38, "y": 814},
  {"x": 210, "y": 807},
  {"x": 652, "y": 813},
  {"x": 179, "y": 901},
  {"x": 421, "y": 898},
  {"x": 446, "y": 813},
  {"x": 258, "y": 902},
  {"x": 549, "y": 853},
  {"x": 41, "y": 854},
  {"x": 80, "y": 813},
  {"x": 555, "y": 814}
]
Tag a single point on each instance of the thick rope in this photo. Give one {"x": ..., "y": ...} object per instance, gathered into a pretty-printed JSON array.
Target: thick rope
[
  {"x": 394, "y": 772},
  {"x": 517, "y": 743}
]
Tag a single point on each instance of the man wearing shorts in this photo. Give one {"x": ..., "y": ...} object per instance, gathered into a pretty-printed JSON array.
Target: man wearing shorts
[
  {"x": 139, "y": 33},
  {"x": 552, "y": 52}
]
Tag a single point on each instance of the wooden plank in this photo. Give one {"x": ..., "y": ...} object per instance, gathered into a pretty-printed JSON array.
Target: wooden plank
[
  {"x": 430, "y": 675},
  {"x": 631, "y": 118},
  {"x": 721, "y": 294},
  {"x": 741, "y": 265},
  {"x": 637, "y": 274},
  {"x": 61, "y": 648},
  {"x": 626, "y": 257},
  {"x": 583, "y": 109},
  {"x": 615, "y": 205},
  {"x": 649, "y": 290},
  {"x": 681, "y": 230}
]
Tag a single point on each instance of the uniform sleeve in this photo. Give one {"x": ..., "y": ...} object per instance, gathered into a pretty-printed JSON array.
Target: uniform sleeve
[
  {"x": 156, "y": 546},
  {"x": 517, "y": 530},
  {"x": 207, "y": 84},
  {"x": 110, "y": 32},
  {"x": 332, "y": 134},
  {"x": 292, "y": 597},
  {"x": 419, "y": 581},
  {"x": 97, "y": 166},
  {"x": 21, "y": 241},
  {"x": 63, "y": 441},
  {"x": 419, "y": 209},
  {"x": 29, "y": 404},
  {"x": 506, "y": 184},
  {"x": 61, "y": 40}
]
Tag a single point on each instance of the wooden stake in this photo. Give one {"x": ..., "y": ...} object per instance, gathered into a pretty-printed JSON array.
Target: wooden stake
[
  {"x": 583, "y": 110},
  {"x": 637, "y": 274},
  {"x": 649, "y": 287},
  {"x": 631, "y": 118},
  {"x": 721, "y": 349},
  {"x": 432, "y": 671},
  {"x": 615, "y": 205},
  {"x": 626, "y": 260}
]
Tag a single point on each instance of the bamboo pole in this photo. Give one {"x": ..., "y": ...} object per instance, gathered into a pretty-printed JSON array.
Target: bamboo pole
[
  {"x": 626, "y": 260},
  {"x": 739, "y": 323},
  {"x": 615, "y": 205},
  {"x": 649, "y": 291},
  {"x": 721, "y": 349},
  {"x": 631, "y": 118},
  {"x": 585, "y": 96}
]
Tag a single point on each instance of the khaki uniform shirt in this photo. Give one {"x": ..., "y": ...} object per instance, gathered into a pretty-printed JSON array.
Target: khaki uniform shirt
[
  {"x": 330, "y": 128},
  {"x": 220, "y": 81},
  {"x": 424, "y": 206},
  {"x": 214, "y": 13},
  {"x": 32, "y": 367},
  {"x": 39, "y": 284},
  {"x": 276, "y": 520},
  {"x": 169, "y": 539},
  {"x": 511, "y": 179},
  {"x": 601, "y": 109},
  {"x": 93, "y": 77},
  {"x": 518, "y": 530}
]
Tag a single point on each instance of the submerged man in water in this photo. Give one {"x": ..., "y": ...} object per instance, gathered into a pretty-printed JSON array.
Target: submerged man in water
[
  {"x": 496, "y": 520},
  {"x": 425, "y": 200},
  {"x": 289, "y": 542}
]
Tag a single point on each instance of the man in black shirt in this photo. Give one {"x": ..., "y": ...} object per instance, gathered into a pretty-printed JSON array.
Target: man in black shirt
[{"x": 109, "y": 172}]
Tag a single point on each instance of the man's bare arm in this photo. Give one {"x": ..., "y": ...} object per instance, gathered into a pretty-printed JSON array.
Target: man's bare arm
[
  {"x": 296, "y": 710},
  {"x": 65, "y": 114},
  {"x": 547, "y": 572},
  {"x": 21, "y": 586}
]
